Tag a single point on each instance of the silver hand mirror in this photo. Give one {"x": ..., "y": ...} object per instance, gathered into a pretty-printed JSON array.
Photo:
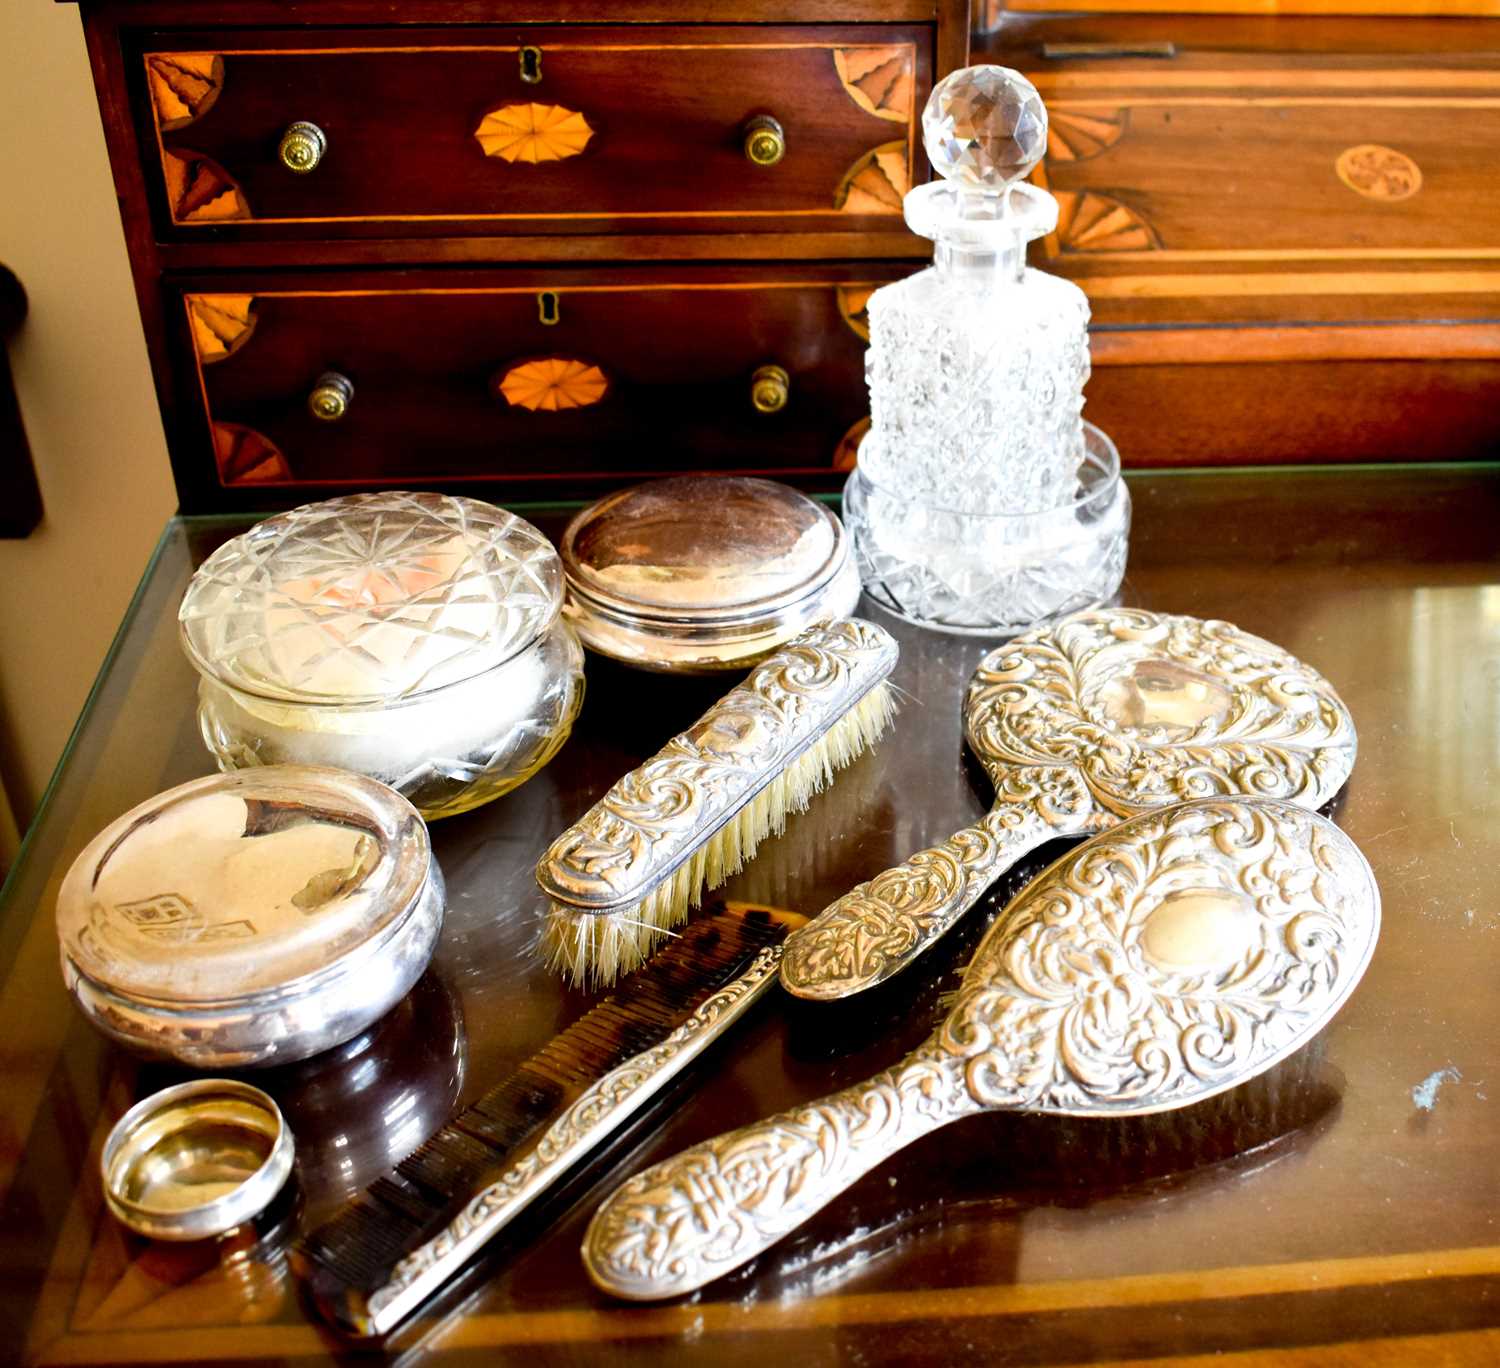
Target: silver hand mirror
[
  {"x": 1167, "y": 960},
  {"x": 1104, "y": 715}
]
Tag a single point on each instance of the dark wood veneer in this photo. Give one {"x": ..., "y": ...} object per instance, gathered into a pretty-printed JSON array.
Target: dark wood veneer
[
  {"x": 666, "y": 108},
  {"x": 1248, "y": 304},
  {"x": 1255, "y": 298},
  {"x": 405, "y": 188},
  {"x": 677, "y": 346}
]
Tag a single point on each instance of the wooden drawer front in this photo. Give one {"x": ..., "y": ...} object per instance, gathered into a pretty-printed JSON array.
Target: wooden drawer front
[
  {"x": 628, "y": 125},
  {"x": 990, "y": 15},
  {"x": 1166, "y": 167},
  {"x": 461, "y": 383},
  {"x": 1286, "y": 230}
]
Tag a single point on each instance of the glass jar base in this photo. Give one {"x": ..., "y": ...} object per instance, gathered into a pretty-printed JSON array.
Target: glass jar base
[
  {"x": 464, "y": 745},
  {"x": 993, "y": 574},
  {"x": 439, "y": 788}
]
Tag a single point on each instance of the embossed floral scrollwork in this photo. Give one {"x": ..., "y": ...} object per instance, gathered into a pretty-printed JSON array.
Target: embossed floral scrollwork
[
  {"x": 1170, "y": 958},
  {"x": 1159, "y": 709},
  {"x": 709, "y": 1209},
  {"x": 878, "y": 926},
  {"x": 655, "y": 814},
  {"x": 1074, "y": 1006},
  {"x": 799, "y": 671}
]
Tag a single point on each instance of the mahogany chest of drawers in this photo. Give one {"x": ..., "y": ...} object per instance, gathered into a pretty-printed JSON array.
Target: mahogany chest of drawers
[
  {"x": 541, "y": 248},
  {"x": 525, "y": 247}
]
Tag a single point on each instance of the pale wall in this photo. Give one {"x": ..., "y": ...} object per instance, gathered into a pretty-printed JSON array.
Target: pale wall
[{"x": 85, "y": 391}]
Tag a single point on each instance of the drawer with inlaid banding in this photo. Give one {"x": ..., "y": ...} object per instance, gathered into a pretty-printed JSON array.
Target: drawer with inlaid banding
[
  {"x": 1190, "y": 165},
  {"x": 526, "y": 376},
  {"x": 541, "y": 129}
]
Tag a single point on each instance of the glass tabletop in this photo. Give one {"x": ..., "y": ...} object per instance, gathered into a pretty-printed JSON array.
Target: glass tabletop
[{"x": 1351, "y": 1195}]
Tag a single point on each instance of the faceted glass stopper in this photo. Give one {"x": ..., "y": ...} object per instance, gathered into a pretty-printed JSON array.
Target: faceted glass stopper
[{"x": 984, "y": 127}]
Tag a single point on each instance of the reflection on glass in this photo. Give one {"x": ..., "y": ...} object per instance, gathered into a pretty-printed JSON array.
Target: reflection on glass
[
  {"x": 240, "y": 1278},
  {"x": 1451, "y": 646},
  {"x": 358, "y": 1110},
  {"x": 996, "y": 1170}
]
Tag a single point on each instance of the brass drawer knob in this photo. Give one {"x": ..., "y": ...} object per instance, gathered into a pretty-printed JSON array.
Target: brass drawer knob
[
  {"x": 765, "y": 141},
  {"x": 331, "y": 397},
  {"x": 302, "y": 147},
  {"x": 769, "y": 389}
]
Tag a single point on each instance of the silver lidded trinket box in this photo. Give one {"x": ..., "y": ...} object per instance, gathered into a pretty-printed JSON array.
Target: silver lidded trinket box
[
  {"x": 252, "y": 918},
  {"x": 415, "y": 638},
  {"x": 698, "y": 573}
]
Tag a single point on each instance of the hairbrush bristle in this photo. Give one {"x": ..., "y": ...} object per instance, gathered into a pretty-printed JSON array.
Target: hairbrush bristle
[{"x": 596, "y": 948}]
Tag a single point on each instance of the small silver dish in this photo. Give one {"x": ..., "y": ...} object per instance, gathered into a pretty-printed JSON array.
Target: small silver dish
[
  {"x": 196, "y": 1160},
  {"x": 251, "y": 918},
  {"x": 702, "y": 573}
]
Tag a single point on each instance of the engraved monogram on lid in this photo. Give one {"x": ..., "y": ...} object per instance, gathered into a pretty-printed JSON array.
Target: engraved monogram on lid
[{"x": 240, "y": 883}]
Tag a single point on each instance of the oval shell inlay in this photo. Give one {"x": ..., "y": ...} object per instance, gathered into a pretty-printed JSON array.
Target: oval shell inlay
[
  {"x": 1198, "y": 929},
  {"x": 1379, "y": 173},
  {"x": 552, "y": 383},
  {"x": 532, "y": 133}
]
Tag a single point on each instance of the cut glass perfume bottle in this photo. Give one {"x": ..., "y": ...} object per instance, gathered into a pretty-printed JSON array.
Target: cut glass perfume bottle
[{"x": 982, "y": 501}]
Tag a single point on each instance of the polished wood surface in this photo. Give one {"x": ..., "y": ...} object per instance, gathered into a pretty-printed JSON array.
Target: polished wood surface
[{"x": 1340, "y": 1211}]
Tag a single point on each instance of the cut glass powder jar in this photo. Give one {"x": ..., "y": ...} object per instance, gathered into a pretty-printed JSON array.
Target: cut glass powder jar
[
  {"x": 702, "y": 573},
  {"x": 252, "y": 918},
  {"x": 415, "y": 638}
]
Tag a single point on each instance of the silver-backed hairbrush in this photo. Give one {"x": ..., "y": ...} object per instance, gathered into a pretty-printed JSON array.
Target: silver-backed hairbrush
[{"x": 636, "y": 863}]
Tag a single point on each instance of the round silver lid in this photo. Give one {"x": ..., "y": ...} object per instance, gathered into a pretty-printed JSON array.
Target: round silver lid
[
  {"x": 370, "y": 598},
  {"x": 243, "y": 887},
  {"x": 702, "y": 566}
]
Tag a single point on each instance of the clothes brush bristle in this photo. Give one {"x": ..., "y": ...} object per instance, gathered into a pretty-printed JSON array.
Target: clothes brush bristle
[{"x": 594, "y": 949}]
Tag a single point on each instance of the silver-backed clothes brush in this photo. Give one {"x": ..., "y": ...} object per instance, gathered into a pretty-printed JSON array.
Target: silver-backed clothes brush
[
  {"x": 1079, "y": 725},
  {"x": 635, "y": 864},
  {"x": 1175, "y": 957}
]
